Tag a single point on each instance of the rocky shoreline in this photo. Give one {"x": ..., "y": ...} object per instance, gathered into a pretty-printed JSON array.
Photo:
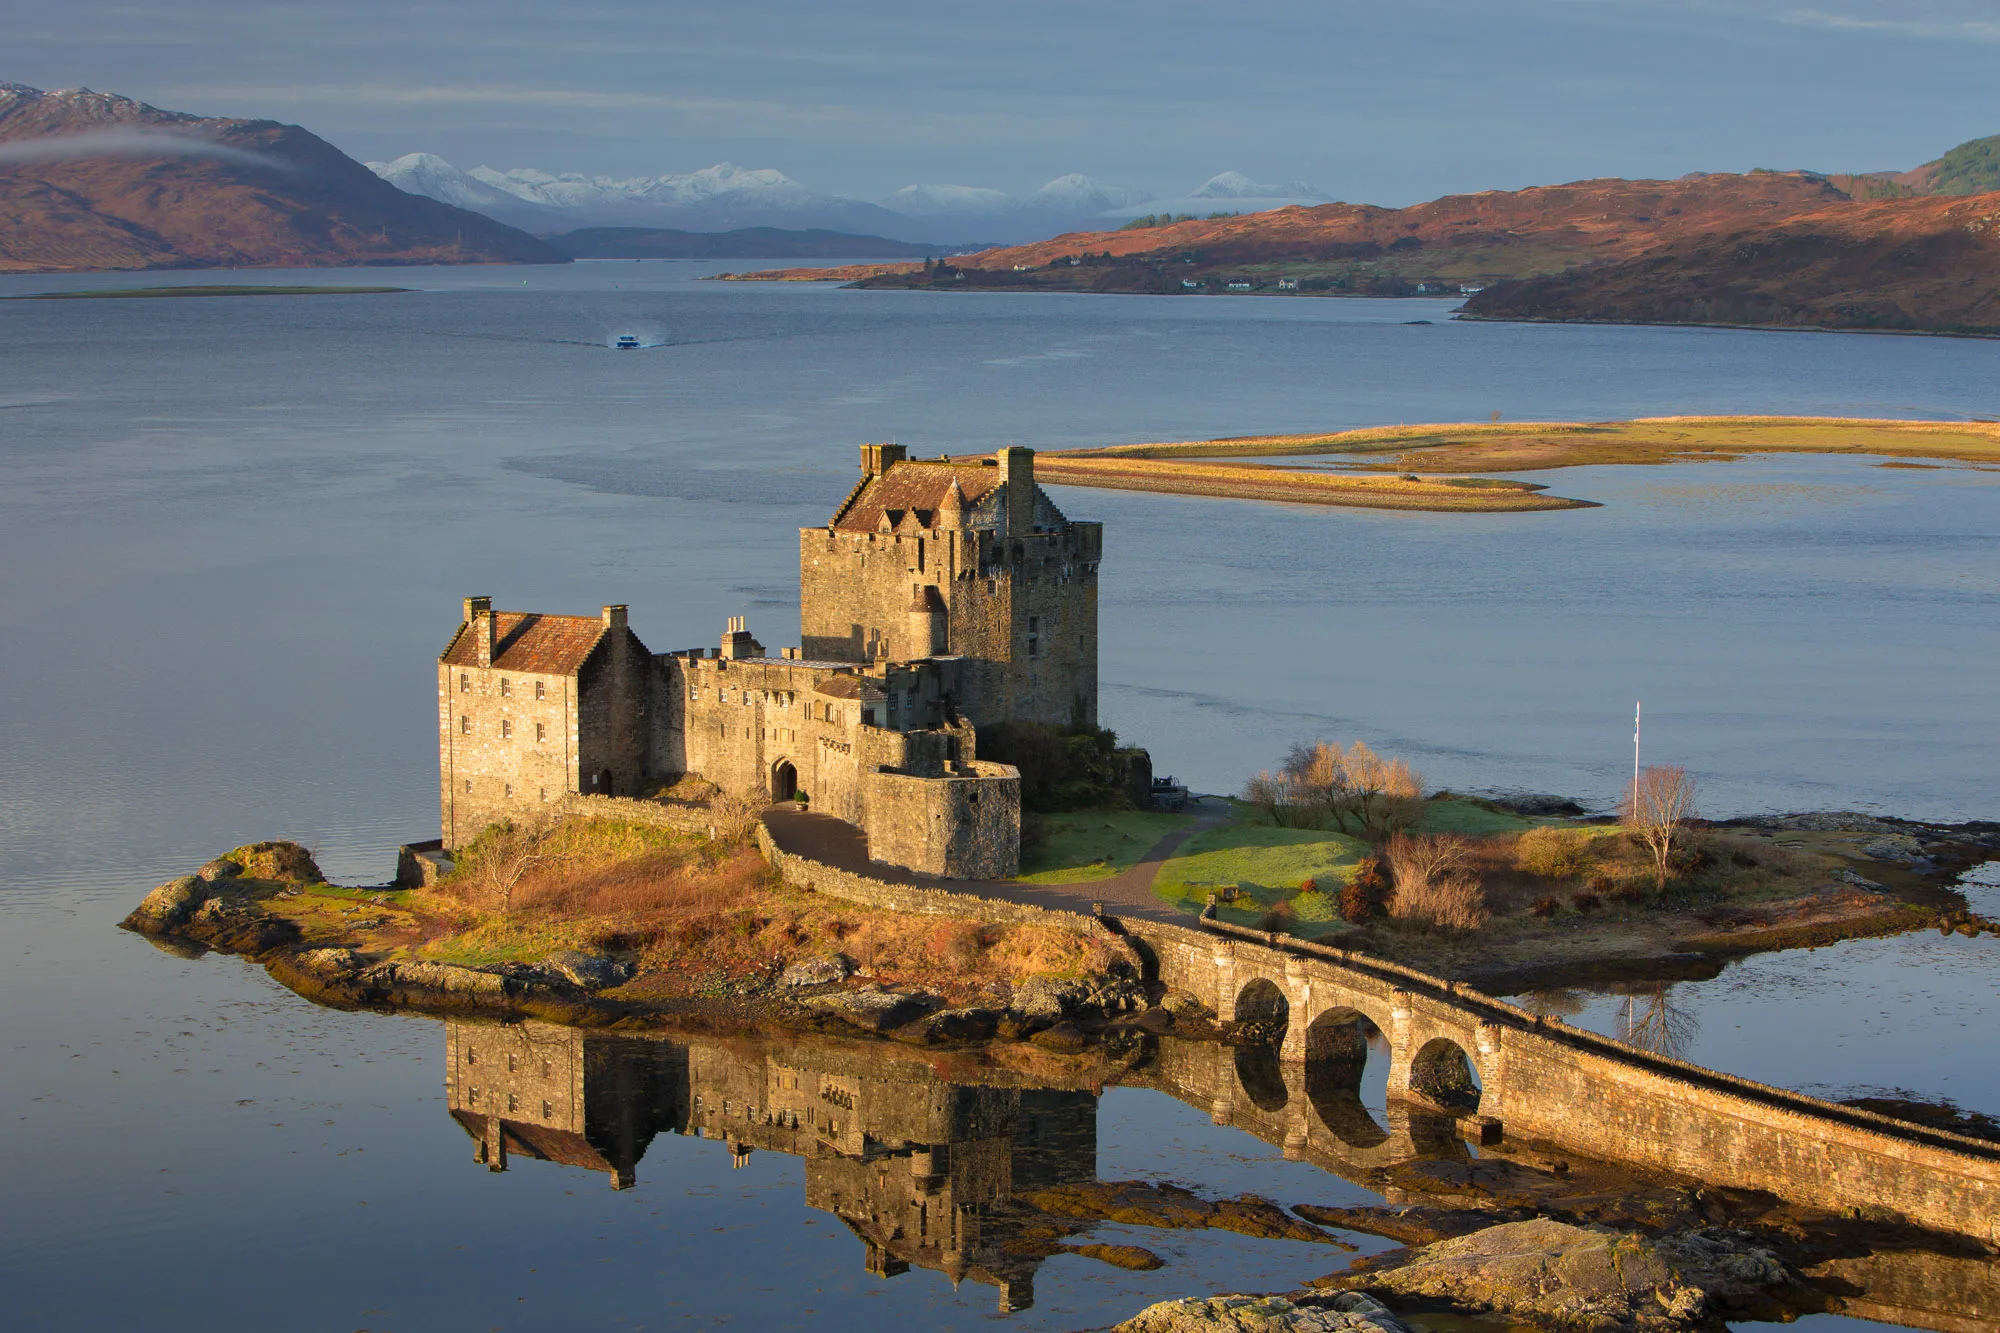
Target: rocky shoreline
[{"x": 232, "y": 908}]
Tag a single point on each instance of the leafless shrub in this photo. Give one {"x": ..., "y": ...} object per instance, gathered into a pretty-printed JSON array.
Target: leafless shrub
[
  {"x": 1435, "y": 881},
  {"x": 1656, "y": 812},
  {"x": 733, "y": 817},
  {"x": 503, "y": 856}
]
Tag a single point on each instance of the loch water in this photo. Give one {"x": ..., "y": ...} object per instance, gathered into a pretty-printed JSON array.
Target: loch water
[{"x": 233, "y": 532}]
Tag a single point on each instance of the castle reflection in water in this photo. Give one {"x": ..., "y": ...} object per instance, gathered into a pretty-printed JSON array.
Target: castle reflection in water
[
  {"x": 935, "y": 1165},
  {"x": 923, "y": 1171}
]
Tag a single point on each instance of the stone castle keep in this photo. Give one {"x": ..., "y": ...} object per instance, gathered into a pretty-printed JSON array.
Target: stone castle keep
[{"x": 942, "y": 597}]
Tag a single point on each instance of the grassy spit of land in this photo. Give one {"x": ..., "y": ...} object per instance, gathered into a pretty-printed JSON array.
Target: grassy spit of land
[
  {"x": 132, "y": 293},
  {"x": 1429, "y": 462},
  {"x": 1565, "y": 901}
]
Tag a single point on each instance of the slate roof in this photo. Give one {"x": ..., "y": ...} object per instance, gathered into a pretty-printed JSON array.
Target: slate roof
[
  {"x": 919, "y": 487},
  {"x": 526, "y": 1139},
  {"x": 529, "y": 642}
]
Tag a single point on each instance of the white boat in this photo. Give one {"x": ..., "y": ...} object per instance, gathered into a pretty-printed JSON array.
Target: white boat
[{"x": 627, "y": 342}]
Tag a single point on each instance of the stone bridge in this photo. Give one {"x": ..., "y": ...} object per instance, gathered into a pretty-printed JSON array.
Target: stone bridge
[{"x": 1462, "y": 1063}]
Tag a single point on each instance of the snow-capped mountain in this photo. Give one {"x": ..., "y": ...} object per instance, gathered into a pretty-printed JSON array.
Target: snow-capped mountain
[
  {"x": 725, "y": 196},
  {"x": 940, "y": 201},
  {"x": 1229, "y": 192},
  {"x": 1236, "y": 185},
  {"x": 429, "y": 175}
]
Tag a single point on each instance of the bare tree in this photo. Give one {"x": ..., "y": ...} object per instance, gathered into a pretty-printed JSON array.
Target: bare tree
[
  {"x": 504, "y": 856},
  {"x": 1656, "y": 812}
]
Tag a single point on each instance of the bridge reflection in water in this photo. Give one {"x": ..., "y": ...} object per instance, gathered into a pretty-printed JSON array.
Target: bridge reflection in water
[{"x": 935, "y": 1173}]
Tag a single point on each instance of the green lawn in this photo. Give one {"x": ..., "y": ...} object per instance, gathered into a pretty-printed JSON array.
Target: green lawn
[
  {"x": 1452, "y": 815},
  {"x": 1268, "y": 863},
  {"x": 1084, "y": 846}
]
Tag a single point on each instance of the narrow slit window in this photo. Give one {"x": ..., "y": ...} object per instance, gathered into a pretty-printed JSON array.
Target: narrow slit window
[
  {"x": 464, "y": 724},
  {"x": 506, "y": 728},
  {"x": 541, "y": 689}
]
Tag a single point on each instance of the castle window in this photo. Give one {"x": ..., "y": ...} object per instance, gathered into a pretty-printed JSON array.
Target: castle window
[
  {"x": 464, "y": 725},
  {"x": 541, "y": 689},
  {"x": 468, "y": 786},
  {"x": 507, "y": 789},
  {"x": 506, "y": 728},
  {"x": 472, "y": 1096},
  {"x": 548, "y": 1111},
  {"x": 464, "y": 682},
  {"x": 471, "y": 1056},
  {"x": 503, "y": 686},
  {"x": 545, "y": 1069},
  {"x": 545, "y": 793},
  {"x": 1034, "y": 632},
  {"x": 511, "y": 1066},
  {"x": 513, "y": 1102},
  {"x": 541, "y": 731}
]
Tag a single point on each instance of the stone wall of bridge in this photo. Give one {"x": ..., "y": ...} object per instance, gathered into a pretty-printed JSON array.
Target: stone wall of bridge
[{"x": 1539, "y": 1079}]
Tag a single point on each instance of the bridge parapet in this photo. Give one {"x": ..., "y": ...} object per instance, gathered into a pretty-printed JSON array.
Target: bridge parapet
[{"x": 1460, "y": 1050}]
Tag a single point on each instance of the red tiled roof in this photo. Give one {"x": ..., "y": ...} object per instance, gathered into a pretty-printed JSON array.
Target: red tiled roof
[
  {"x": 916, "y": 486},
  {"x": 527, "y": 641}
]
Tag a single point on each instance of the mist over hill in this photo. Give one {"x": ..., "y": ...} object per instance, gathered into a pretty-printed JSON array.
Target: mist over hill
[{"x": 94, "y": 181}]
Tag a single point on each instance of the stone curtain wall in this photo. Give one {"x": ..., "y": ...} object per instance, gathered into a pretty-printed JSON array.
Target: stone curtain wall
[
  {"x": 805, "y": 873},
  {"x": 690, "y": 819},
  {"x": 956, "y": 826},
  {"x": 1542, "y": 1079}
]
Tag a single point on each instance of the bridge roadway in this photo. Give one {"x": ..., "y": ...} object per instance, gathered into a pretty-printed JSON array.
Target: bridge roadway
[{"x": 1498, "y": 1069}]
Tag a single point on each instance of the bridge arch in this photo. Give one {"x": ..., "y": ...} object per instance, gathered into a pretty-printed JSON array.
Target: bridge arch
[
  {"x": 1339, "y": 1046},
  {"x": 1263, "y": 1001},
  {"x": 1442, "y": 1074}
]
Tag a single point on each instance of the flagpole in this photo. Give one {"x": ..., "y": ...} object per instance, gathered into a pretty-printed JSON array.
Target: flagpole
[{"x": 1635, "y": 758}]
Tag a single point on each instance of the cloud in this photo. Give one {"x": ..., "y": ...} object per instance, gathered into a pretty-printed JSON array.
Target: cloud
[
  {"x": 128, "y": 143},
  {"x": 1944, "y": 29}
]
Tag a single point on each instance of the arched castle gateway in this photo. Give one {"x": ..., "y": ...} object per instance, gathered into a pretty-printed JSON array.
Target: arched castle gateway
[{"x": 943, "y": 596}]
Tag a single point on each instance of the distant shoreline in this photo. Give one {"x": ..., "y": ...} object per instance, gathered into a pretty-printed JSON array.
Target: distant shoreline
[{"x": 139, "y": 293}]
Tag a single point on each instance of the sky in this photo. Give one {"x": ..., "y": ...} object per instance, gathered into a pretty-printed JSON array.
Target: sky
[{"x": 1388, "y": 102}]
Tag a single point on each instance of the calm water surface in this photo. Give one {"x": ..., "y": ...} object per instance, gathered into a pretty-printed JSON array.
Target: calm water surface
[{"x": 234, "y": 533}]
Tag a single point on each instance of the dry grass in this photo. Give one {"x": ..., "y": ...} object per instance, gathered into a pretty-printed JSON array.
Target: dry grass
[{"x": 695, "y": 914}]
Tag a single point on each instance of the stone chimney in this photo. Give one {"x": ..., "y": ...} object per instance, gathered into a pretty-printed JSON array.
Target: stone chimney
[
  {"x": 879, "y": 458},
  {"x": 479, "y": 619},
  {"x": 737, "y": 641},
  {"x": 614, "y": 617},
  {"x": 1018, "y": 465}
]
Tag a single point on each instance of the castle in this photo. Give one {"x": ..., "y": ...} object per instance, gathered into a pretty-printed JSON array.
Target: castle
[{"x": 943, "y": 596}]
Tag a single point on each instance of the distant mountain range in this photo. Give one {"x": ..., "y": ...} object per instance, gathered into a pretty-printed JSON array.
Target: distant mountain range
[
  {"x": 92, "y": 181},
  {"x": 726, "y": 197},
  {"x": 743, "y": 243},
  {"x": 1766, "y": 248}
]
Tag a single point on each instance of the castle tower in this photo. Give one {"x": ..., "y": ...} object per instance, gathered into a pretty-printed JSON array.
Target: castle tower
[{"x": 963, "y": 558}]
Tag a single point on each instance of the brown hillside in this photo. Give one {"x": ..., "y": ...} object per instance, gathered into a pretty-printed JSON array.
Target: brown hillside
[
  {"x": 1354, "y": 248},
  {"x": 1929, "y": 264},
  {"x": 1588, "y": 217},
  {"x": 296, "y": 202}
]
